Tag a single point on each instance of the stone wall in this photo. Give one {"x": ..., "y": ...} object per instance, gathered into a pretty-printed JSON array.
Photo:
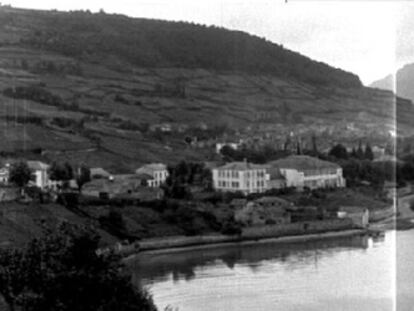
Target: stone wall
[
  {"x": 380, "y": 214},
  {"x": 251, "y": 233},
  {"x": 297, "y": 228}
]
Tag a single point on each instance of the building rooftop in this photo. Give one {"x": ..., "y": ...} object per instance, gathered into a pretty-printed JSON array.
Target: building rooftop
[
  {"x": 4, "y": 171},
  {"x": 241, "y": 166},
  {"x": 303, "y": 163},
  {"x": 37, "y": 165},
  {"x": 150, "y": 168},
  {"x": 99, "y": 171},
  {"x": 352, "y": 209}
]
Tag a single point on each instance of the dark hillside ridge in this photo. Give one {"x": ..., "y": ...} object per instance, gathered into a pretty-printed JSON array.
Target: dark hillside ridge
[{"x": 147, "y": 43}]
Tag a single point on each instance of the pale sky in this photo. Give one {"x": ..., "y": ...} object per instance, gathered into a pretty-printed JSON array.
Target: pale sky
[{"x": 368, "y": 38}]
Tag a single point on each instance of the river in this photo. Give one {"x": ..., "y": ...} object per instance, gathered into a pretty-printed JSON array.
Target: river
[{"x": 349, "y": 273}]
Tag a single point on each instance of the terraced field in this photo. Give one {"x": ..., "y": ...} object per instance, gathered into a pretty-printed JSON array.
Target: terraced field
[{"x": 105, "y": 112}]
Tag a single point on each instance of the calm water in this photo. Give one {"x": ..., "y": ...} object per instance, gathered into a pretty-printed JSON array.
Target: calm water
[{"x": 353, "y": 273}]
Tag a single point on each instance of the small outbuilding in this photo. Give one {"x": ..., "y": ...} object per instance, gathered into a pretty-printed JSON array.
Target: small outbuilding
[{"x": 358, "y": 215}]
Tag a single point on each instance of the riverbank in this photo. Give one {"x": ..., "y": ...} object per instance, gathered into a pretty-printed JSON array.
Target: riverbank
[{"x": 231, "y": 240}]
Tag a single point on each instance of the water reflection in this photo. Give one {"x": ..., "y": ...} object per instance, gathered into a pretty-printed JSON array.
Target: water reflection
[
  {"x": 184, "y": 264},
  {"x": 347, "y": 274}
]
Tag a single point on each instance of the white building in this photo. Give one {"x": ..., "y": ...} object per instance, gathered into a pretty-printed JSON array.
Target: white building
[
  {"x": 4, "y": 174},
  {"x": 240, "y": 176},
  {"x": 158, "y": 171},
  {"x": 358, "y": 215},
  {"x": 40, "y": 173},
  {"x": 304, "y": 171}
]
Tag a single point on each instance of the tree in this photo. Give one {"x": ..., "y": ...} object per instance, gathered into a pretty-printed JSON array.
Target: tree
[
  {"x": 82, "y": 176},
  {"x": 369, "y": 155},
  {"x": 62, "y": 271},
  {"x": 20, "y": 174},
  {"x": 61, "y": 172},
  {"x": 298, "y": 148},
  {"x": 339, "y": 151},
  {"x": 314, "y": 146},
  {"x": 360, "y": 151},
  {"x": 184, "y": 176},
  {"x": 353, "y": 153}
]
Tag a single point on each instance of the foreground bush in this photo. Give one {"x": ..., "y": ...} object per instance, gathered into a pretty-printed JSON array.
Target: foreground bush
[{"x": 61, "y": 271}]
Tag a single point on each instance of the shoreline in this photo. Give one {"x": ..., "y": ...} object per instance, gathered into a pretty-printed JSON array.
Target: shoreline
[{"x": 231, "y": 242}]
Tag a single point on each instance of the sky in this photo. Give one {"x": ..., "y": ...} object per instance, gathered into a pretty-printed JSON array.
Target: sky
[{"x": 369, "y": 38}]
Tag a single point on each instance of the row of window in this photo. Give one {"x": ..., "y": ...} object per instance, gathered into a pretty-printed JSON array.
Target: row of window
[
  {"x": 160, "y": 175},
  {"x": 235, "y": 184},
  {"x": 228, "y": 184},
  {"x": 235, "y": 174}
]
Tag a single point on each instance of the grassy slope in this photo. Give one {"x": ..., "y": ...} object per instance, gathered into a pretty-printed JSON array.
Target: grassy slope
[
  {"x": 21, "y": 222},
  {"x": 238, "y": 99}
]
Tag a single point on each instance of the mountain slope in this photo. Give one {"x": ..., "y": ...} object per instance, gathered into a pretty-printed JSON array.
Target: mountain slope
[
  {"x": 116, "y": 92},
  {"x": 151, "y": 43},
  {"x": 404, "y": 82}
]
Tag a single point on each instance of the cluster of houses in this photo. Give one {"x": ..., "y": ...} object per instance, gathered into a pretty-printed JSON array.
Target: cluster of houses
[
  {"x": 143, "y": 184},
  {"x": 39, "y": 170},
  {"x": 299, "y": 171},
  {"x": 273, "y": 210}
]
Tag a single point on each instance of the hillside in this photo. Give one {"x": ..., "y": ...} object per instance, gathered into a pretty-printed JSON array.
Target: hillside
[
  {"x": 116, "y": 92},
  {"x": 404, "y": 82}
]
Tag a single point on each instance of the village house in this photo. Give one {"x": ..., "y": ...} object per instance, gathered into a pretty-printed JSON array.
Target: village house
[
  {"x": 99, "y": 172},
  {"x": 358, "y": 215},
  {"x": 302, "y": 171},
  {"x": 4, "y": 174},
  {"x": 121, "y": 186},
  {"x": 264, "y": 211},
  {"x": 157, "y": 171},
  {"x": 240, "y": 176},
  {"x": 40, "y": 173}
]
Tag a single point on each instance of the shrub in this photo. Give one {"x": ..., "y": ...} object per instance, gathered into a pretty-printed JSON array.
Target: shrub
[{"x": 230, "y": 227}]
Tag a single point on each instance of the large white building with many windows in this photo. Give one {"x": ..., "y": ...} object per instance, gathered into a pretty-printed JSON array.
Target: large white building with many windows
[
  {"x": 301, "y": 171},
  {"x": 240, "y": 176}
]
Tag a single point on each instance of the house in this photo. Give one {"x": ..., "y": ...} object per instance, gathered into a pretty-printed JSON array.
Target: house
[
  {"x": 40, "y": 173},
  {"x": 4, "y": 174},
  {"x": 121, "y": 186},
  {"x": 302, "y": 171},
  {"x": 163, "y": 127},
  {"x": 240, "y": 176},
  {"x": 157, "y": 171},
  {"x": 99, "y": 172},
  {"x": 264, "y": 211},
  {"x": 358, "y": 215},
  {"x": 390, "y": 189}
]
